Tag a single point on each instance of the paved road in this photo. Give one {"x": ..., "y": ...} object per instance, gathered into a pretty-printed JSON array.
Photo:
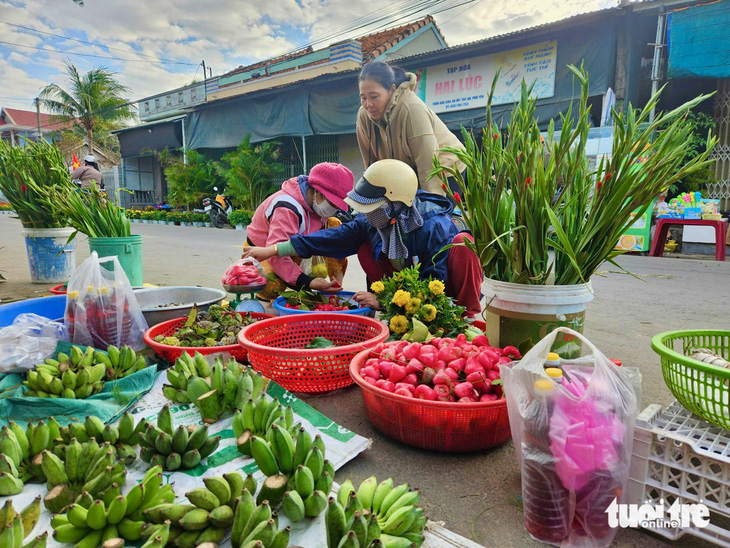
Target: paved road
[{"x": 476, "y": 495}]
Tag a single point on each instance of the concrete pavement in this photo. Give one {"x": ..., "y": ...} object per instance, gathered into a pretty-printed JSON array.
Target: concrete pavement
[{"x": 475, "y": 495}]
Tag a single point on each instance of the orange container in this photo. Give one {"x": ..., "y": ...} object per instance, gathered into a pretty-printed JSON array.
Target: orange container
[
  {"x": 434, "y": 425},
  {"x": 276, "y": 348},
  {"x": 171, "y": 353}
]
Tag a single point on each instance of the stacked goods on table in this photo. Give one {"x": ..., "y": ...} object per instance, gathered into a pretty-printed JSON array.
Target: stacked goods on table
[{"x": 81, "y": 374}]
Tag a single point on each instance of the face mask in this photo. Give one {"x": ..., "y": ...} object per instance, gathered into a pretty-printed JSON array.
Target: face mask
[{"x": 325, "y": 209}]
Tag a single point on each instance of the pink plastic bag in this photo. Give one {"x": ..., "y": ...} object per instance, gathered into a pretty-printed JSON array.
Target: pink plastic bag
[
  {"x": 101, "y": 308},
  {"x": 573, "y": 439}
]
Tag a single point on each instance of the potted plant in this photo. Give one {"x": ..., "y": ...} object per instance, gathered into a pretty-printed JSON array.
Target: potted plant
[
  {"x": 92, "y": 213},
  {"x": 526, "y": 195},
  {"x": 26, "y": 173}
]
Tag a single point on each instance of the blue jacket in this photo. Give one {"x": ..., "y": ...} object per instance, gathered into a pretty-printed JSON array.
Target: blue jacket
[{"x": 423, "y": 244}]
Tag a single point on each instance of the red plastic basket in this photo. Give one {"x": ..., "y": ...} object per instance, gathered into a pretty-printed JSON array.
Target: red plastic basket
[
  {"x": 275, "y": 348},
  {"x": 433, "y": 425},
  {"x": 58, "y": 289},
  {"x": 171, "y": 353}
]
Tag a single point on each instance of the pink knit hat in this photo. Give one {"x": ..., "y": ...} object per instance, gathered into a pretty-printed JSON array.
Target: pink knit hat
[{"x": 334, "y": 181}]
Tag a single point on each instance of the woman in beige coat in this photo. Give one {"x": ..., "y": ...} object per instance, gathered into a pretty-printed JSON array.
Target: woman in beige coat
[{"x": 393, "y": 123}]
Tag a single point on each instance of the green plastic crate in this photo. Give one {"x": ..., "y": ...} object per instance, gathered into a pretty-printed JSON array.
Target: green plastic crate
[{"x": 702, "y": 388}]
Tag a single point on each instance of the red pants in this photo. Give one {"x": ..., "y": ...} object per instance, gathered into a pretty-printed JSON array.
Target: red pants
[{"x": 464, "y": 273}]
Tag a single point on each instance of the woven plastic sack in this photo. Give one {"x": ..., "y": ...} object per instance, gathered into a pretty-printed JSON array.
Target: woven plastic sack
[
  {"x": 101, "y": 308},
  {"x": 573, "y": 440}
]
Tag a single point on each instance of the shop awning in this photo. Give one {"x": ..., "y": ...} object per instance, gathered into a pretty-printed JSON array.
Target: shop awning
[
  {"x": 152, "y": 136},
  {"x": 699, "y": 42}
]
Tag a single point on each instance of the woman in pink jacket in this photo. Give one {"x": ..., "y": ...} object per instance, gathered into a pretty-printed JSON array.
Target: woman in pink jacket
[{"x": 302, "y": 206}]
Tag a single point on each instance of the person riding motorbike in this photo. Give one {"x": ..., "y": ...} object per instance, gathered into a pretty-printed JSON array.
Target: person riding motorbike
[{"x": 88, "y": 172}]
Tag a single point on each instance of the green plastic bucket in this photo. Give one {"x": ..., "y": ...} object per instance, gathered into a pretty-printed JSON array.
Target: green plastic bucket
[{"x": 128, "y": 250}]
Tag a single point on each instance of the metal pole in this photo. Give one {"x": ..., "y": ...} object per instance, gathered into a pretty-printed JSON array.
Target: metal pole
[
  {"x": 184, "y": 143},
  {"x": 304, "y": 155},
  {"x": 38, "y": 115},
  {"x": 656, "y": 64},
  {"x": 205, "y": 74}
]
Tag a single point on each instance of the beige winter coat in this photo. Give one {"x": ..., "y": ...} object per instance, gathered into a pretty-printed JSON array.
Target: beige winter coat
[{"x": 408, "y": 131}]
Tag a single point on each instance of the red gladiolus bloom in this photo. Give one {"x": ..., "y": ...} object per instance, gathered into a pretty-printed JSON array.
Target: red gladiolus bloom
[
  {"x": 457, "y": 198},
  {"x": 527, "y": 182},
  {"x": 496, "y": 135},
  {"x": 443, "y": 185},
  {"x": 23, "y": 188}
]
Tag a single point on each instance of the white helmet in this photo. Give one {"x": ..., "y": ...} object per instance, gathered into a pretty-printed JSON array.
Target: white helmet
[
  {"x": 385, "y": 180},
  {"x": 90, "y": 159}
]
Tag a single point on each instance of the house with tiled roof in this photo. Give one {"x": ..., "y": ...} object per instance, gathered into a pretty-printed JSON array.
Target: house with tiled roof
[
  {"x": 279, "y": 90},
  {"x": 18, "y": 126}
]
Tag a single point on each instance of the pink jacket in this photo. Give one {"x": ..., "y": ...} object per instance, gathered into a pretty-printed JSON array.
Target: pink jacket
[{"x": 277, "y": 219}]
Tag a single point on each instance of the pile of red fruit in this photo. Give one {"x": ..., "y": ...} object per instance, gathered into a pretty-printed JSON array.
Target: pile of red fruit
[
  {"x": 243, "y": 275},
  {"x": 443, "y": 369},
  {"x": 333, "y": 304}
]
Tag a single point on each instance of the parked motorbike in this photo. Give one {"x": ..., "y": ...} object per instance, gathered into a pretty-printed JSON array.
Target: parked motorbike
[{"x": 218, "y": 209}]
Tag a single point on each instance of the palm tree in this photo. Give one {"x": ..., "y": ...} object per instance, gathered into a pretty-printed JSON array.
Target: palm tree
[{"x": 93, "y": 100}]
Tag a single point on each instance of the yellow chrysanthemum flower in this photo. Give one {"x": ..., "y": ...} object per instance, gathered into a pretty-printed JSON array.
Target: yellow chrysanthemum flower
[
  {"x": 401, "y": 297},
  {"x": 436, "y": 287},
  {"x": 377, "y": 287},
  {"x": 399, "y": 324},
  {"x": 428, "y": 313},
  {"x": 413, "y": 305}
]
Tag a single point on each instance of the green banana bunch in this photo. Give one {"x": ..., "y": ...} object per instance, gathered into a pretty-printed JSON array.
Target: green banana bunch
[
  {"x": 89, "y": 467},
  {"x": 381, "y": 512},
  {"x": 20, "y": 453},
  {"x": 298, "y": 476},
  {"x": 174, "y": 449},
  {"x": 215, "y": 389},
  {"x": 209, "y": 514},
  {"x": 256, "y": 418},
  {"x": 123, "y": 437},
  {"x": 16, "y": 526},
  {"x": 185, "y": 366},
  {"x": 75, "y": 376},
  {"x": 91, "y": 522},
  {"x": 120, "y": 362},
  {"x": 254, "y": 524}
]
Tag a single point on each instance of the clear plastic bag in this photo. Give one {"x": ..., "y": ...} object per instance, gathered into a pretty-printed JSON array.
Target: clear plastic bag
[
  {"x": 246, "y": 272},
  {"x": 573, "y": 440},
  {"x": 29, "y": 340},
  {"x": 101, "y": 308},
  {"x": 315, "y": 266}
]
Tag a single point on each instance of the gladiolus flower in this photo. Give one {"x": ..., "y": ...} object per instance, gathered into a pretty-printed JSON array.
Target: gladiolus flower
[
  {"x": 23, "y": 188},
  {"x": 444, "y": 187},
  {"x": 457, "y": 198},
  {"x": 527, "y": 182},
  {"x": 496, "y": 135}
]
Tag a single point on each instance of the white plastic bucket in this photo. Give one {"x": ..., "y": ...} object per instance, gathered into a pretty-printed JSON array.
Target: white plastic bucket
[
  {"x": 520, "y": 314},
  {"x": 50, "y": 258}
]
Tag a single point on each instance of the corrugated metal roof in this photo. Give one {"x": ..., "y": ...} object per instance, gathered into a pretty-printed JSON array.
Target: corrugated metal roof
[
  {"x": 573, "y": 19},
  {"x": 152, "y": 123}
]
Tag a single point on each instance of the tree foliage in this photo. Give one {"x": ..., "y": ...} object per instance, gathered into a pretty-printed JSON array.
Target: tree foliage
[
  {"x": 95, "y": 101},
  {"x": 189, "y": 183},
  {"x": 249, "y": 172}
]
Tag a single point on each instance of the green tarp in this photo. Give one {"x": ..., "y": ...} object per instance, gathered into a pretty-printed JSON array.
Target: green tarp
[
  {"x": 699, "y": 42},
  {"x": 109, "y": 404}
]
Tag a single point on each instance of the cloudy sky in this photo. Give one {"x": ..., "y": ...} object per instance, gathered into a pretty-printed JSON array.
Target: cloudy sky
[{"x": 159, "y": 44}]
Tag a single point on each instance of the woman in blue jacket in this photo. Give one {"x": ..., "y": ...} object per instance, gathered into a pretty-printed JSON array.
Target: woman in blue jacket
[{"x": 398, "y": 226}]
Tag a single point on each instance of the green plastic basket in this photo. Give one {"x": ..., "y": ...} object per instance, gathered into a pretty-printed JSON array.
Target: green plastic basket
[{"x": 702, "y": 388}]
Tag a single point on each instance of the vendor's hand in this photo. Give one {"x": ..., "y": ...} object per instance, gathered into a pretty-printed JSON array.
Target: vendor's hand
[
  {"x": 259, "y": 253},
  {"x": 320, "y": 284},
  {"x": 366, "y": 299}
]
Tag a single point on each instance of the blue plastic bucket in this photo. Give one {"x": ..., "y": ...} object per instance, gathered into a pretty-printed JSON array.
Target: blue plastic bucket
[
  {"x": 279, "y": 303},
  {"x": 48, "y": 307},
  {"x": 51, "y": 260}
]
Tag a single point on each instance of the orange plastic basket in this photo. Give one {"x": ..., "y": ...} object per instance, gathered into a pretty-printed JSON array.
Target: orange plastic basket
[
  {"x": 276, "y": 348},
  {"x": 434, "y": 425},
  {"x": 171, "y": 353}
]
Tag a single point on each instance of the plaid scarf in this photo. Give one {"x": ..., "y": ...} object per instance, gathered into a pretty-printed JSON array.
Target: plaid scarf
[{"x": 391, "y": 227}]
